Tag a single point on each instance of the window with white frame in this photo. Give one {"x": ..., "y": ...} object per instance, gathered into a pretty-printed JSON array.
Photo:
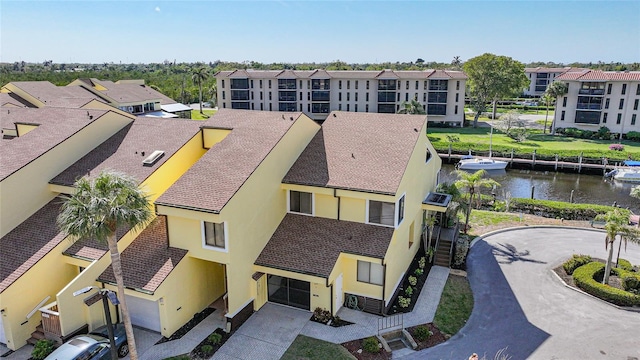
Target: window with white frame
[
  {"x": 371, "y": 273},
  {"x": 213, "y": 234},
  {"x": 300, "y": 202},
  {"x": 381, "y": 212},
  {"x": 400, "y": 215}
]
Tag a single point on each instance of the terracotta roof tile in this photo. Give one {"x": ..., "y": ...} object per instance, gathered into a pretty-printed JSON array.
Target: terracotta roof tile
[
  {"x": 359, "y": 151},
  {"x": 342, "y": 74},
  {"x": 27, "y": 243},
  {"x": 211, "y": 182},
  {"x": 149, "y": 260},
  {"x": 124, "y": 151},
  {"x": 55, "y": 125},
  {"x": 311, "y": 245},
  {"x": 597, "y": 75}
]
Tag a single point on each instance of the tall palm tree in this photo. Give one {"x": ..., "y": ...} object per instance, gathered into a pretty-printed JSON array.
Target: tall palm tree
[
  {"x": 473, "y": 183},
  {"x": 616, "y": 224},
  {"x": 95, "y": 211},
  {"x": 456, "y": 62},
  {"x": 555, "y": 90},
  {"x": 198, "y": 76},
  {"x": 411, "y": 107},
  {"x": 547, "y": 100}
]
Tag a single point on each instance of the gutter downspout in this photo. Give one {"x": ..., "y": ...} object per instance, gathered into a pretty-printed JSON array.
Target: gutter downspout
[{"x": 335, "y": 191}]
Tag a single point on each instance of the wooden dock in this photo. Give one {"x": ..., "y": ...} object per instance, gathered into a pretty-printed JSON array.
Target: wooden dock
[{"x": 557, "y": 165}]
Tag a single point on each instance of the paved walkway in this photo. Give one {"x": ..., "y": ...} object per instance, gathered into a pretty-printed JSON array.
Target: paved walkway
[
  {"x": 269, "y": 332},
  {"x": 522, "y": 306}
]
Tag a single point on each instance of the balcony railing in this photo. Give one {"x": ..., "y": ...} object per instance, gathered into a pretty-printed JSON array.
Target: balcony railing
[
  {"x": 589, "y": 106},
  {"x": 591, "y": 92},
  {"x": 51, "y": 319}
]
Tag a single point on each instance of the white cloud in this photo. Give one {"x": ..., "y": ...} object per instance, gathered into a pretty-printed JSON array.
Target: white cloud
[{"x": 157, "y": 8}]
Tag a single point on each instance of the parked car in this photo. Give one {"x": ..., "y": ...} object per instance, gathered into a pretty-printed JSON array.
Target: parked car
[{"x": 93, "y": 346}]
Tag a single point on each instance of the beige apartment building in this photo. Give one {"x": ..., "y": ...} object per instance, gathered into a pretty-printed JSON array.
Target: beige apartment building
[
  {"x": 319, "y": 92},
  {"x": 541, "y": 77},
  {"x": 599, "y": 98}
]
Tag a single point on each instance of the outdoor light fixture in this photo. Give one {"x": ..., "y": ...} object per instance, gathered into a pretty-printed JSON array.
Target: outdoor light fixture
[{"x": 112, "y": 296}]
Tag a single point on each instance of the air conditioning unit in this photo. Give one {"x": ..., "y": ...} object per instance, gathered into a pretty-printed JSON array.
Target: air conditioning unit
[{"x": 153, "y": 158}]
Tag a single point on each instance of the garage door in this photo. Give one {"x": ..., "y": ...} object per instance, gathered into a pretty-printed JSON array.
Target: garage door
[
  {"x": 290, "y": 292},
  {"x": 144, "y": 313},
  {"x": 3, "y": 337}
]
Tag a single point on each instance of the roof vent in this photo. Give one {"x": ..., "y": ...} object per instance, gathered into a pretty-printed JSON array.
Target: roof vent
[{"x": 153, "y": 158}]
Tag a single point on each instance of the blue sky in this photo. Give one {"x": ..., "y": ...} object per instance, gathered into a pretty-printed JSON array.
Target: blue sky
[{"x": 317, "y": 31}]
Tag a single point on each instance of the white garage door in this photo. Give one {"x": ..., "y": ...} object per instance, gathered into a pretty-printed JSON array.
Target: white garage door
[
  {"x": 144, "y": 313},
  {"x": 3, "y": 337}
]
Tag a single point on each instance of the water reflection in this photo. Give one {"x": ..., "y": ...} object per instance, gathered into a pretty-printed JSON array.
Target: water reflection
[{"x": 589, "y": 189}]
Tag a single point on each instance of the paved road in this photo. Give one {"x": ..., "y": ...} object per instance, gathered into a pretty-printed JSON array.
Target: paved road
[{"x": 522, "y": 306}]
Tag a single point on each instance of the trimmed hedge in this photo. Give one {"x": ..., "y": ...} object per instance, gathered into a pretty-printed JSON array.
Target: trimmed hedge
[
  {"x": 575, "y": 262},
  {"x": 559, "y": 209},
  {"x": 584, "y": 277},
  {"x": 624, "y": 264}
]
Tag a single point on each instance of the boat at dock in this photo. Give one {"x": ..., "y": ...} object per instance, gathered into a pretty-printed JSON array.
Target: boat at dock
[
  {"x": 481, "y": 164},
  {"x": 625, "y": 175}
]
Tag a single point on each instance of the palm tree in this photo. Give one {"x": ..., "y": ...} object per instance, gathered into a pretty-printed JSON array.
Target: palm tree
[
  {"x": 198, "y": 76},
  {"x": 635, "y": 192},
  {"x": 457, "y": 63},
  {"x": 547, "y": 100},
  {"x": 555, "y": 90},
  {"x": 473, "y": 183},
  {"x": 95, "y": 211},
  {"x": 616, "y": 224},
  {"x": 411, "y": 107}
]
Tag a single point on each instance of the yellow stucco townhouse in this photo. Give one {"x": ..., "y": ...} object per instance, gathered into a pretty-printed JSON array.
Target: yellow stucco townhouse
[{"x": 354, "y": 203}]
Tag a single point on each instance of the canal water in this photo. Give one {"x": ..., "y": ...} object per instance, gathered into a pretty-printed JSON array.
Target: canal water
[{"x": 549, "y": 185}]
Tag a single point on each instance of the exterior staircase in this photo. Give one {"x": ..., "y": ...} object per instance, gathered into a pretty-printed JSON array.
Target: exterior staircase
[
  {"x": 444, "y": 249},
  {"x": 37, "y": 335}
]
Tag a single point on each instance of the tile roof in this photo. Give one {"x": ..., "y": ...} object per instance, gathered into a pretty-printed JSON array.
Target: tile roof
[
  {"x": 359, "y": 151},
  {"x": 597, "y": 75},
  {"x": 311, "y": 245},
  {"x": 149, "y": 260},
  {"x": 55, "y": 125},
  {"x": 546, "y": 69},
  {"x": 343, "y": 74},
  {"x": 27, "y": 243},
  {"x": 124, "y": 151},
  {"x": 211, "y": 182}
]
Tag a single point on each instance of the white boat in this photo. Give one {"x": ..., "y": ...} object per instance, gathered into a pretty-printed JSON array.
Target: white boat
[
  {"x": 481, "y": 164},
  {"x": 626, "y": 175}
]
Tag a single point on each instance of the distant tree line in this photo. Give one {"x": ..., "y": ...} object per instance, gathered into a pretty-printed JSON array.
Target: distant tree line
[{"x": 176, "y": 79}]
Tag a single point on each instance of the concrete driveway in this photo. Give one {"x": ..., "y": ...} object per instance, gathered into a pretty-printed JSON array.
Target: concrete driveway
[{"x": 522, "y": 306}]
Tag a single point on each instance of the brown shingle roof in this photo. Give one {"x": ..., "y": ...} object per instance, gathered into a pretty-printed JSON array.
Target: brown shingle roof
[
  {"x": 27, "y": 243},
  {"x": 124, "y": 151},
  {"x": 211, "y": 182},
  {"x": 92, "y": 249},
  {"x": 52, "y": 95},
  {"x": 11, "y": 99},
  {"x": 130, "y": 93},
  {"x": 149, "y": 260},
  {"x": 359, "y": 151},
  {"x": 55, "y": 125},
  {"x": 311, "y": 245}
]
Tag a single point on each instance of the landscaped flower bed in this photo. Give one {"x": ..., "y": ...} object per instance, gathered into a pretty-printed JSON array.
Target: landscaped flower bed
[
  {"x": 323, "y": 316},
  {"x": 411, "y": 285},
  {"x": 210, "y": 345}
]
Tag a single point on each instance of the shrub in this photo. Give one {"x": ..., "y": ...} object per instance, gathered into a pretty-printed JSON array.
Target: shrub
[
  {"x": 603, "y": 133},
  {"x": 584, "y": 277},
  {"x": 321, "y": 315},
  {"x": 575, "y": 262},
  {"x": 616, "y": 147},
  {"x": 460, "y": 255},
  {"x": 42, "y": 349},
  {"x": 413, "y": 280},
  {"x": 633, "y": 136},
  {"x": 408, "y": 291},
  {"x": 422, "y": 262},
  {"x": 404, "y": 302},
  {"x": 630, "y": 281},
  {"x": 215, "y": 338},
  {"x": 370, "y": 345},
  {"x": 418, "y": 272},
  {"x": 625, "y": 265},
  {"x": 421, "y": 333},
  {"x": 207, "y": 349},
  {"x": 559, "y": 209}
]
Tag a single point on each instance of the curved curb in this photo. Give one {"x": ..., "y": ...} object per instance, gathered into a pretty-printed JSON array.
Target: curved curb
[
  {"x": 576, "y": 289},
  {"x": 560, "y": 227}
]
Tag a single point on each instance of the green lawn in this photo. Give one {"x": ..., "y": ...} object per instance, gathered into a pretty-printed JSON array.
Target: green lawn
[
  {"x": 484, "y": 217},
  {"x": 455, "y": 305},
  {"x": 306, "y": 348},
  {"x": 195, "y": 114},
  {"x": 477, "y": 139}
]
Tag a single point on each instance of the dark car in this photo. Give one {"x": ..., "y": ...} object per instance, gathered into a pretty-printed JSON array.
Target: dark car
[{"x": 93, "y": 346}]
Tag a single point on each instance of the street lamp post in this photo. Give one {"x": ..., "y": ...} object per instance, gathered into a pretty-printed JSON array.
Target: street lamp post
[{"x": 104, "y": 293}]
